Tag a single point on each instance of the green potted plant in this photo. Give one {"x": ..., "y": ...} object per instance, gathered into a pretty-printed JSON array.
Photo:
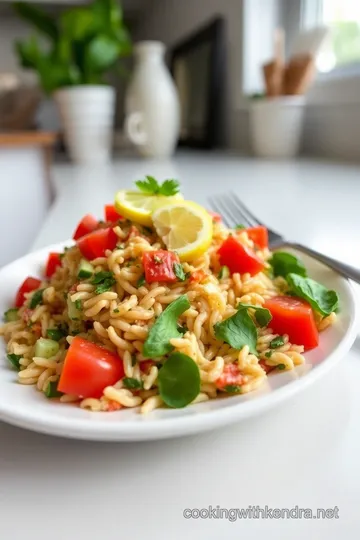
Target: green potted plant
[{"x": 72, "y": 55}]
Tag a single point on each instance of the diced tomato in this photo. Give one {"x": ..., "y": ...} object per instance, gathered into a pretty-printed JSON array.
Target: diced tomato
[
  {"x": 111, "y": 214},
  {"x": 198, "y": 276},
  {"x": 231, "y": 376},
  {"x": 146, "y": 365},
  {"x": 113, "y": 406},
  {"x": 30, "y": 284},
  {"x": 239, "y": 258},
  {"x": 53, "y": 262},
  {"x": 95, "y": 244},
  {"x": 259, "y": 235},
  {"x": 294, "y": 317},
  {"x": 88, "y": 224},
  {"x": 215, "y": 216},
  {"x": 159, "y": 265},
  {"x": 265, "y": 367},
  {"x": 88, "y": 369}
]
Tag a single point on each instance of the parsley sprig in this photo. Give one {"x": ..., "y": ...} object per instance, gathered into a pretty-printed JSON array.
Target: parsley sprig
[
  {"x": 104, "y": 281},
  {"x": 151, "y": 186}
]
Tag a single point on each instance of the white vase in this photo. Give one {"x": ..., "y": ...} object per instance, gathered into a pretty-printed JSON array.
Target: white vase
[
  {"x": 87, "y": 117},
  {"x": 152, "y": 104}
]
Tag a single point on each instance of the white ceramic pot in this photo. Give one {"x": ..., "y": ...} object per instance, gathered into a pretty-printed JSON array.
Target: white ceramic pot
[
  {"x": 87, "y": 117},
  {"x": 152, "y": 104},
  {"x": 276, "y": 126}
]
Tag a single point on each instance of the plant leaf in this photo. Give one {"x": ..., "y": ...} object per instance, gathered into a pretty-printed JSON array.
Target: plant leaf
[
  {"x": 165, "y": 328},
  {"x": 319, "y": 297},
  {"x": 179, "y": 380},
  {"x": 262, "y": 315},
  {"x": 238, "y": 331},
  {"x": 149, "y": 186},
  {"x": 284, "y": 263},
  {"x": 43, "y": 22},
  {"x": 169, "y": 188}
]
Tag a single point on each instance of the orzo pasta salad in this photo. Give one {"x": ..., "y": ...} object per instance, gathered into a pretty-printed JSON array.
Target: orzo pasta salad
[{"x": 160, "y": 305}]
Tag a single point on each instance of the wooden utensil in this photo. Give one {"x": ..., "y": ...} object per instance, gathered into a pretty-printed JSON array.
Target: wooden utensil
[
  {"x": 298, "y": 74},
  {"x": 273, "y": 71}
]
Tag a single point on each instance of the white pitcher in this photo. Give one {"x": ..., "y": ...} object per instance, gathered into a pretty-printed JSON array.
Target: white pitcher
[{"x": 152, "y": 104}]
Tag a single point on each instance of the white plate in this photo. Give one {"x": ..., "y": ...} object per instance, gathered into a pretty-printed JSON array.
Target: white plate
[{"x": 24, "y": 406}]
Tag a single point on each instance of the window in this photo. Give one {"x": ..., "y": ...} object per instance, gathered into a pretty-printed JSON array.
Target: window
[{"x": 342, "y": 49}]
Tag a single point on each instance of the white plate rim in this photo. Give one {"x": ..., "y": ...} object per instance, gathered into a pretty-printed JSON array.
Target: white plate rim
[{"x": 185, "y": 425}]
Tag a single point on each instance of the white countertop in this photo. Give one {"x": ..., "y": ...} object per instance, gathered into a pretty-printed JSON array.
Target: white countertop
[{"x": 305, "y": 453}]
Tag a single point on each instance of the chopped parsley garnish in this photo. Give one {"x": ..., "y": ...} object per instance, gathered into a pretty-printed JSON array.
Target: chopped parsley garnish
[
  {"x": 52, "y": 391},
  {"x": 179, "y": 271},
  {"x": 232, "y": 388},
  {"x": 104, "y": 281},
  {"x": 11, "y": 315},
  {"x": 281, "y": 366},
  {"x": 319, "y": 297},
  {"x": 14, "y": 359},
  {"x": 133, "y": 360},
  {"x": 239, "y": 227},
  {"x": 132, "y": 384},
  {"x": 268, "y": 354},
  {"x": 182, "y": 329},
  {"x": 78, "y": 304},
  {"x": 151, "y": 186},
  {"x": 141, "y": 281},
  {"x": 56, "y": 333},
  {"x": 277, "y": 342},
  {"x": 116, "y": 310},
  {"x": 36, "y": 299}
]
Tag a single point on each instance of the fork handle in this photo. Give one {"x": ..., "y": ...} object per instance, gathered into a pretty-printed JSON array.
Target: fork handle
[{"x": 344, "y": 269}]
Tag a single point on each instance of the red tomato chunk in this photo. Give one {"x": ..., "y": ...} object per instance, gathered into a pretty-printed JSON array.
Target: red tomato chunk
[
  {"x": 30, "y": 284},
  {"x": 88, "y": 224},
  {"x": 294, "y": 317},
  {"x": 259, "y": 235},
  {"x": 95, "y": 244},
  {"x": 159, "y": 265},
  {"x": 231, "y": 376},
  {"x": 52, "y": 264},
  {"x": 88, "y": 369},
  {"x": 111, "y": 214},
  {"x": 239, "y": 258}
]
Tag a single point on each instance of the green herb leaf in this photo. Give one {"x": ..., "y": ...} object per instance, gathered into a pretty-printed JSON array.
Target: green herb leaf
[
  {"x": 182, "y": 329},
  {"x": 277, "y": 342},
  {"x": 36, "y": 299},
  {"x": 268, "y": 354},
  {"x": 132, "y": 384},
  {"x": 169, "y": 188},
  {"x": 149, "y": 186},
  {"x": 116, "y": 310},
  {"x": 133, "y": 360},
  {"x": 56, "y": 333},
  {"x": 78, "y": 304},
  {"x": 232, "y": 388},
  {"x": 262, "y": 315},
  {"x": 179, "y": 380},
  {"x": 319, "y": 297},
  {"x": 104, "y": 281},
  {"x": 179, "y": 271},
  {"x": 141, "y": 281},
  {"x": 165, "y": 328},
  {"x": 284, "y": 263},
  {"x": 11, "y": 315},
  {"x": 238, "y": 331},
  {"x": 239, "y": 227},
  {"x": 14, "y": 359},
  {"x": 281, "y": 366},
  {"x": 224, "y": 272},
  {"x": 52, "y": 391}
]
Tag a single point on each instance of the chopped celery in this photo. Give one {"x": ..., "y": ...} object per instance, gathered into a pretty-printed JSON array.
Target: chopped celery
[
  {"x": 46, "y": 348},
  {"x": 85, "y": 270},
  {"x": 11, "y": 315}
]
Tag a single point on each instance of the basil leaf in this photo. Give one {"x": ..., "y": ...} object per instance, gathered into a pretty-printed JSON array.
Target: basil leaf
[
  {"x": 179, "y": 271},
  {"x": 132, "y": 383},
  {"x": 232, "y": 388},
  {"x": 51, "y": 391},
  {"x": 319, "y": 297},
  {"x": 238, "y": 331},
  {"x": 285, "y": 263},
  {"x": 165, "y": 328},
  {"x": 14, "y": 359},
  {"x": 262, "y": 315},
  {"x": 268, "y": 354},
  {"x": 36, "y": 299},
  {"x": 277, "y": 342},
  {"x": 179, "y": 380}
]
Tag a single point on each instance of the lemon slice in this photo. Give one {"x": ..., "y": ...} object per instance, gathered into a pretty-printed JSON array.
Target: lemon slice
[
  {"x": 185, "y": 227},
  {"x": 139, "y": 206}
]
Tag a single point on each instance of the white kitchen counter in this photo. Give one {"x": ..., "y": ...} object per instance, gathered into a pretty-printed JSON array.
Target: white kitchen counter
[{"x": 304, "y": 453}]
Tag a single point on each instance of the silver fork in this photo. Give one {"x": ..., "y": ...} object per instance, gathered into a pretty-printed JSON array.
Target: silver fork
[{"x": 234, "y": 212}]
